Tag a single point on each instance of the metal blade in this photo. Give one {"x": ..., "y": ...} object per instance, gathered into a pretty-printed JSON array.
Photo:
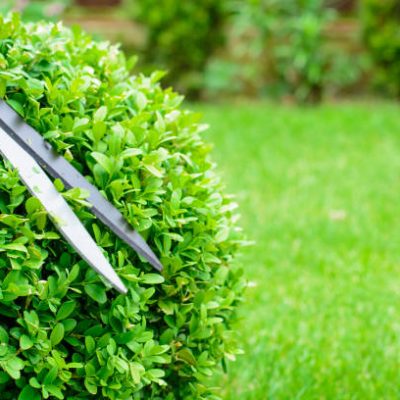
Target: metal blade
[
  {"x": 58, "y": 167},
  {"x": 64, "y": 218}
]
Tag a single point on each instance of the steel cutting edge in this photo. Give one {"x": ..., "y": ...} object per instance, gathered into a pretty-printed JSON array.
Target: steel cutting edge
[
  {"x": 39, "y": 184},
  {"x": 58, "y": 167}
]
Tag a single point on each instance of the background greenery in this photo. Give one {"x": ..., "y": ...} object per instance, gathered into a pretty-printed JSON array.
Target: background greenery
[
  {"x": 297, "y": 50},
  {"x": 181, "y": 37}
]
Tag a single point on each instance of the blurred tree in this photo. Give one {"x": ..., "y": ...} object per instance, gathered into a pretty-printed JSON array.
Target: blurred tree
[
  {"x": 181, "y": 37},
  {"x": 381, "y": 28}
]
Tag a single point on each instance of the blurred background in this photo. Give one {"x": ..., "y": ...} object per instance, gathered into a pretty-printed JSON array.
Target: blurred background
[
  {"x": 302, "y": 100},
  {"x": 291, "y": 50}
]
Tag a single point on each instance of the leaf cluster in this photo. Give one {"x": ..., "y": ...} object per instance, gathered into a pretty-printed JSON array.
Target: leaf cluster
[
  {"x": 381, "y": 21},
  {"x": 64, "y": 334}
]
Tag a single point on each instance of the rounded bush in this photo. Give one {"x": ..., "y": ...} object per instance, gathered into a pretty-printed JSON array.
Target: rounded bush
[{"x": 64, "y": 333}]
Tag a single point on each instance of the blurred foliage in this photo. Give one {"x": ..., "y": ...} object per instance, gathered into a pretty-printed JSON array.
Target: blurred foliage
[
  {"x": 218, "y": 48},
  {"x": 181, "y": 37},
  {"x": 301, "y": 58},
  {"x": 381, "y": 28},
  {"x": 35, "y": 10},
  {"x": 290, "y": 39}
]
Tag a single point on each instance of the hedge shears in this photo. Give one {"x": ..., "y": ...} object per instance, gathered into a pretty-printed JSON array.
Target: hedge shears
[{"x": 34, "y": 158}]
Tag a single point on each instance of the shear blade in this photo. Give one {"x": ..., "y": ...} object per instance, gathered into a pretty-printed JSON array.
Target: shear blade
[
  {"x": 63, "y": 216},
  {"x": 58, "y": 167}
]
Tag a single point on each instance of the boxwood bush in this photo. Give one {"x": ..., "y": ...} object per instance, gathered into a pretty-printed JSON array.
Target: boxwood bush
[{"x": 65, "y": 334}]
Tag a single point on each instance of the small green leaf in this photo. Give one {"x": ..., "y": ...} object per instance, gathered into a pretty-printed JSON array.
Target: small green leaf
[
  {"x": 32, "y": 205},
  {"x": 13, "y": 246},
  {"x": 187, "y": 356},
  {"x": 13, "y": 367},
  {"x": 74, "y": 273},
  {"x": 51, "y": 376},
  {"x": 59, "y": 185},
  {"x": 57, "y": 334},
  {"x": 90, "y": 385},
  {"x": 104, "y": 161},
  {"x": 55, "y": 391},
  {"x": 96, "y": 292},
  {"x": 66, "y": 310},
  {"x": 100, "y": 114},
  {"x": 25, "y": 342},
  {"x": 152, "y": 279},
  {"x": 18, "y": 107},
  {"x": 90, "y": 344},
  {"x": 4, "y": 338},
  {"x": 99, "y": 129},
  {"x": 28, "y": 393}
]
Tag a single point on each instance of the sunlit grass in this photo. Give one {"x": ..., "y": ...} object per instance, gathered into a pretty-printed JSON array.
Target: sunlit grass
[{"x": 319, "y": 190}]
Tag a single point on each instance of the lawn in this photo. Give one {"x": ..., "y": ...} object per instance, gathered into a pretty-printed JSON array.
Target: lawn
[{"x": 319, "y": 190}]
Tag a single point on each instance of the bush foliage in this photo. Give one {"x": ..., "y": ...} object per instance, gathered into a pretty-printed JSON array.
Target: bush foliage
[
  {"x": 381, "y": 33},
  {"x": 63, "y": 333}
]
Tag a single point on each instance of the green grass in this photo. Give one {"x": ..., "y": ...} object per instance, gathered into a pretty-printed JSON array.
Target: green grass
[{"x": 319, "y": 190}]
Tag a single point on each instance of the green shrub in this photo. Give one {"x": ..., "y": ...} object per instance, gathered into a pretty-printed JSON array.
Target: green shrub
[
  {"x": 289, "y": 51},
  {"x": 301, "y": 58},
  {"x": 182, "y": 35},
  {"x": 63, "y": 333},
  {"x": 381, "y": 21}
]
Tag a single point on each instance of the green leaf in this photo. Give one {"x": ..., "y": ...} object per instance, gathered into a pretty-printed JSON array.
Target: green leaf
[
  {"x": 74, "y": 273},
  {"x": 28, "y": 393},
  {"x": 4, "y": 338},
  {"x": 55, "y": 391},
  {"x": 96, "y": 292},
  {"x": 32, "y": 321},
  {"x": 187, "y": 356},
  {"x": 17, "y": 106},
  {"x": 13, "y": 367},
  {"x": 57, "y": 334},
  {"x": 99, "y": 130},
  {"x": 100, "y": 114},
  {"x": 32, "y": 205},
  {"x": 25, "y": 342},
  {"x": 13, "y": 246},
  {"x": 51, "y": 376},
  {"x": 128, "y": 153},
  {"x": 80, "y": 124},
  {"x": 90, "y": 344},
  {"x": 152, "y": 279},
  {"x": 66, "y": 310},
  {"x": 104, "y": 161},
  {"x": 59, "y": 185},
  {"x": 90, "y": 385}
]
